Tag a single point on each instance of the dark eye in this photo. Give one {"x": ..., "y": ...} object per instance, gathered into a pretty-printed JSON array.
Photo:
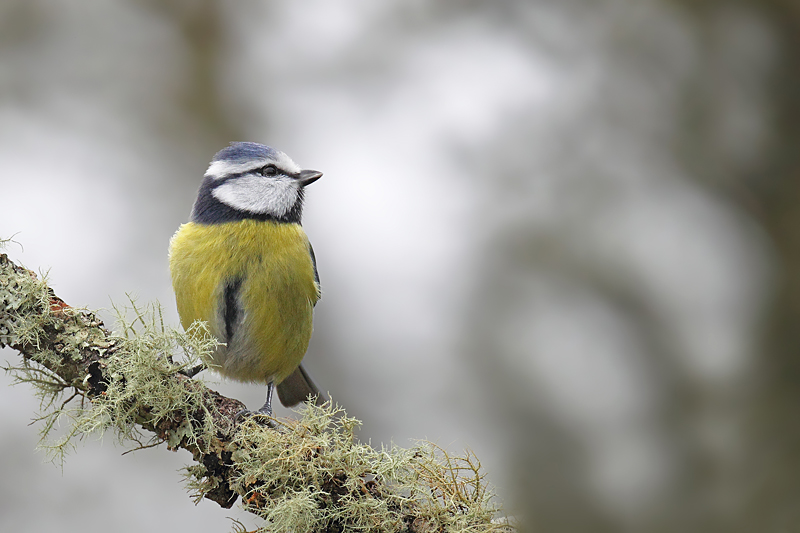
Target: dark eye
[{"x": 269, "y": 170}]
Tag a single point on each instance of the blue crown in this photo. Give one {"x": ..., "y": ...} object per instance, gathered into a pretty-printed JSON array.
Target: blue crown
[{"x": 239, "y": 152}]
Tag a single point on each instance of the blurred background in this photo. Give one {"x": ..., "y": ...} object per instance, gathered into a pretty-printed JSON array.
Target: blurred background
[{"x": 562, "y": 233}]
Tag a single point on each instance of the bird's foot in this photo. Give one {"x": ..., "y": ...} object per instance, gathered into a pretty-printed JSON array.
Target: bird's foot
[
  {"x": 263, "y": 414},
  {"x": 262, "y": 417}
]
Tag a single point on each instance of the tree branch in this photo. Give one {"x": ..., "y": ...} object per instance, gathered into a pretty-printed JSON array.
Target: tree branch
[{"x": 300, "y": 475}]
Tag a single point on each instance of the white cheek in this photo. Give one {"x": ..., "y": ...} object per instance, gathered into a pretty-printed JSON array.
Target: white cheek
[{"x": 259, "y": 195}]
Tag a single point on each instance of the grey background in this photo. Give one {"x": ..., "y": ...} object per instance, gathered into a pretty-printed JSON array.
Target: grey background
[{"x": 560, "y": 233}]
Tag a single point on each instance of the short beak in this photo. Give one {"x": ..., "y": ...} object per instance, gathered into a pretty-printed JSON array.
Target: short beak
[{"x": 307, "y": 177}]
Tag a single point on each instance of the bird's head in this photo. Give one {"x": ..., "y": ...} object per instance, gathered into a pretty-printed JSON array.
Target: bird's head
[{"x": 250, "y": 180}]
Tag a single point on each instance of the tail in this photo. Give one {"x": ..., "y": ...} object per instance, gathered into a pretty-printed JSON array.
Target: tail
[{"x": 297, "y": 388}]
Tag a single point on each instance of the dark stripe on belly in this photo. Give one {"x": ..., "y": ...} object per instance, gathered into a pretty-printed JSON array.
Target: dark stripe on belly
[{"x": 231, "y": 312}]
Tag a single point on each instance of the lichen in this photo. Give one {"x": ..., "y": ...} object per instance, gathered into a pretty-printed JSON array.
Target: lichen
[
  {"x": 24, "y": 305},
  {"x": 311, "y": 474},
  {"x": 141, "y": 400},
  {"x": 142, "y": 389},
  {"x": 300, "y": 475}
]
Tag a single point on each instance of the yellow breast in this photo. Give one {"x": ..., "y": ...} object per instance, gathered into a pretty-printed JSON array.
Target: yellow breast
[{"x": 276, "y": 295}]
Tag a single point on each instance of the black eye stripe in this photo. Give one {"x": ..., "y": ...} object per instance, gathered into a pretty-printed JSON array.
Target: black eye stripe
[{"x": 224, "y": 179}]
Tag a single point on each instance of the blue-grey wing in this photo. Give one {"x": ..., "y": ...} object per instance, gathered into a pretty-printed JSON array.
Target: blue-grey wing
[{"x": 314, "y": 263}]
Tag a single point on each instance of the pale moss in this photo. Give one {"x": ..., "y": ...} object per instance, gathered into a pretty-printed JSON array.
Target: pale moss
[
  {"x": 312, "y": 474},
  {"x": 24, "y": 307},
  {"x": 304, "y": 475},
  {"x": 142, "y": 388},
  {"x": 24, "y": 315}
]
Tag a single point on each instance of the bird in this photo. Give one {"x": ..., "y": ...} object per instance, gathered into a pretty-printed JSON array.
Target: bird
[{"x": 245, "y": 266}]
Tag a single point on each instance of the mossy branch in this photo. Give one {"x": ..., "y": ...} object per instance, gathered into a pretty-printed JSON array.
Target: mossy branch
[{"x": 306, "y": 475}]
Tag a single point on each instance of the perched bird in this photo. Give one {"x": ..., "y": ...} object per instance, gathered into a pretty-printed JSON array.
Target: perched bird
[{"x": 245, "y": 266}]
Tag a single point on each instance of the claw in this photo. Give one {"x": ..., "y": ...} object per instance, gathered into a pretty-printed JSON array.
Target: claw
[
  {"x": 260, "y": 417},
  {"x": 265, "y": 411}
]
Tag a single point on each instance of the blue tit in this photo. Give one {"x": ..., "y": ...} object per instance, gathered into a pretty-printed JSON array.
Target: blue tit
[{"x": 244, "y": 265}]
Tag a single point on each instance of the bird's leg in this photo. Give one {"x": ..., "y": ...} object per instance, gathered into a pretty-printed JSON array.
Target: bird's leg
[
  {"x": 192, "y": 372},
  {"x": 266, "y": 409}
]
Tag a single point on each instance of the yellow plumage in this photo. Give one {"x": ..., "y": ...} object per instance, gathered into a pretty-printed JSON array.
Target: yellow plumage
[{"x": 277, "y": 292}]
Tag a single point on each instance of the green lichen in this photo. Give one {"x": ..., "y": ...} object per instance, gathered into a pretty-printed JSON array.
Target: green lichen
[
  {"x": 24, "y": 307},
  {"x": 303, "y": 475},
  {"x": 143, "y": 403},
  {"x": 312, "y": 474},
  {"x": 25, "y": 315},
  {"x": 300, "y": 475}
]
